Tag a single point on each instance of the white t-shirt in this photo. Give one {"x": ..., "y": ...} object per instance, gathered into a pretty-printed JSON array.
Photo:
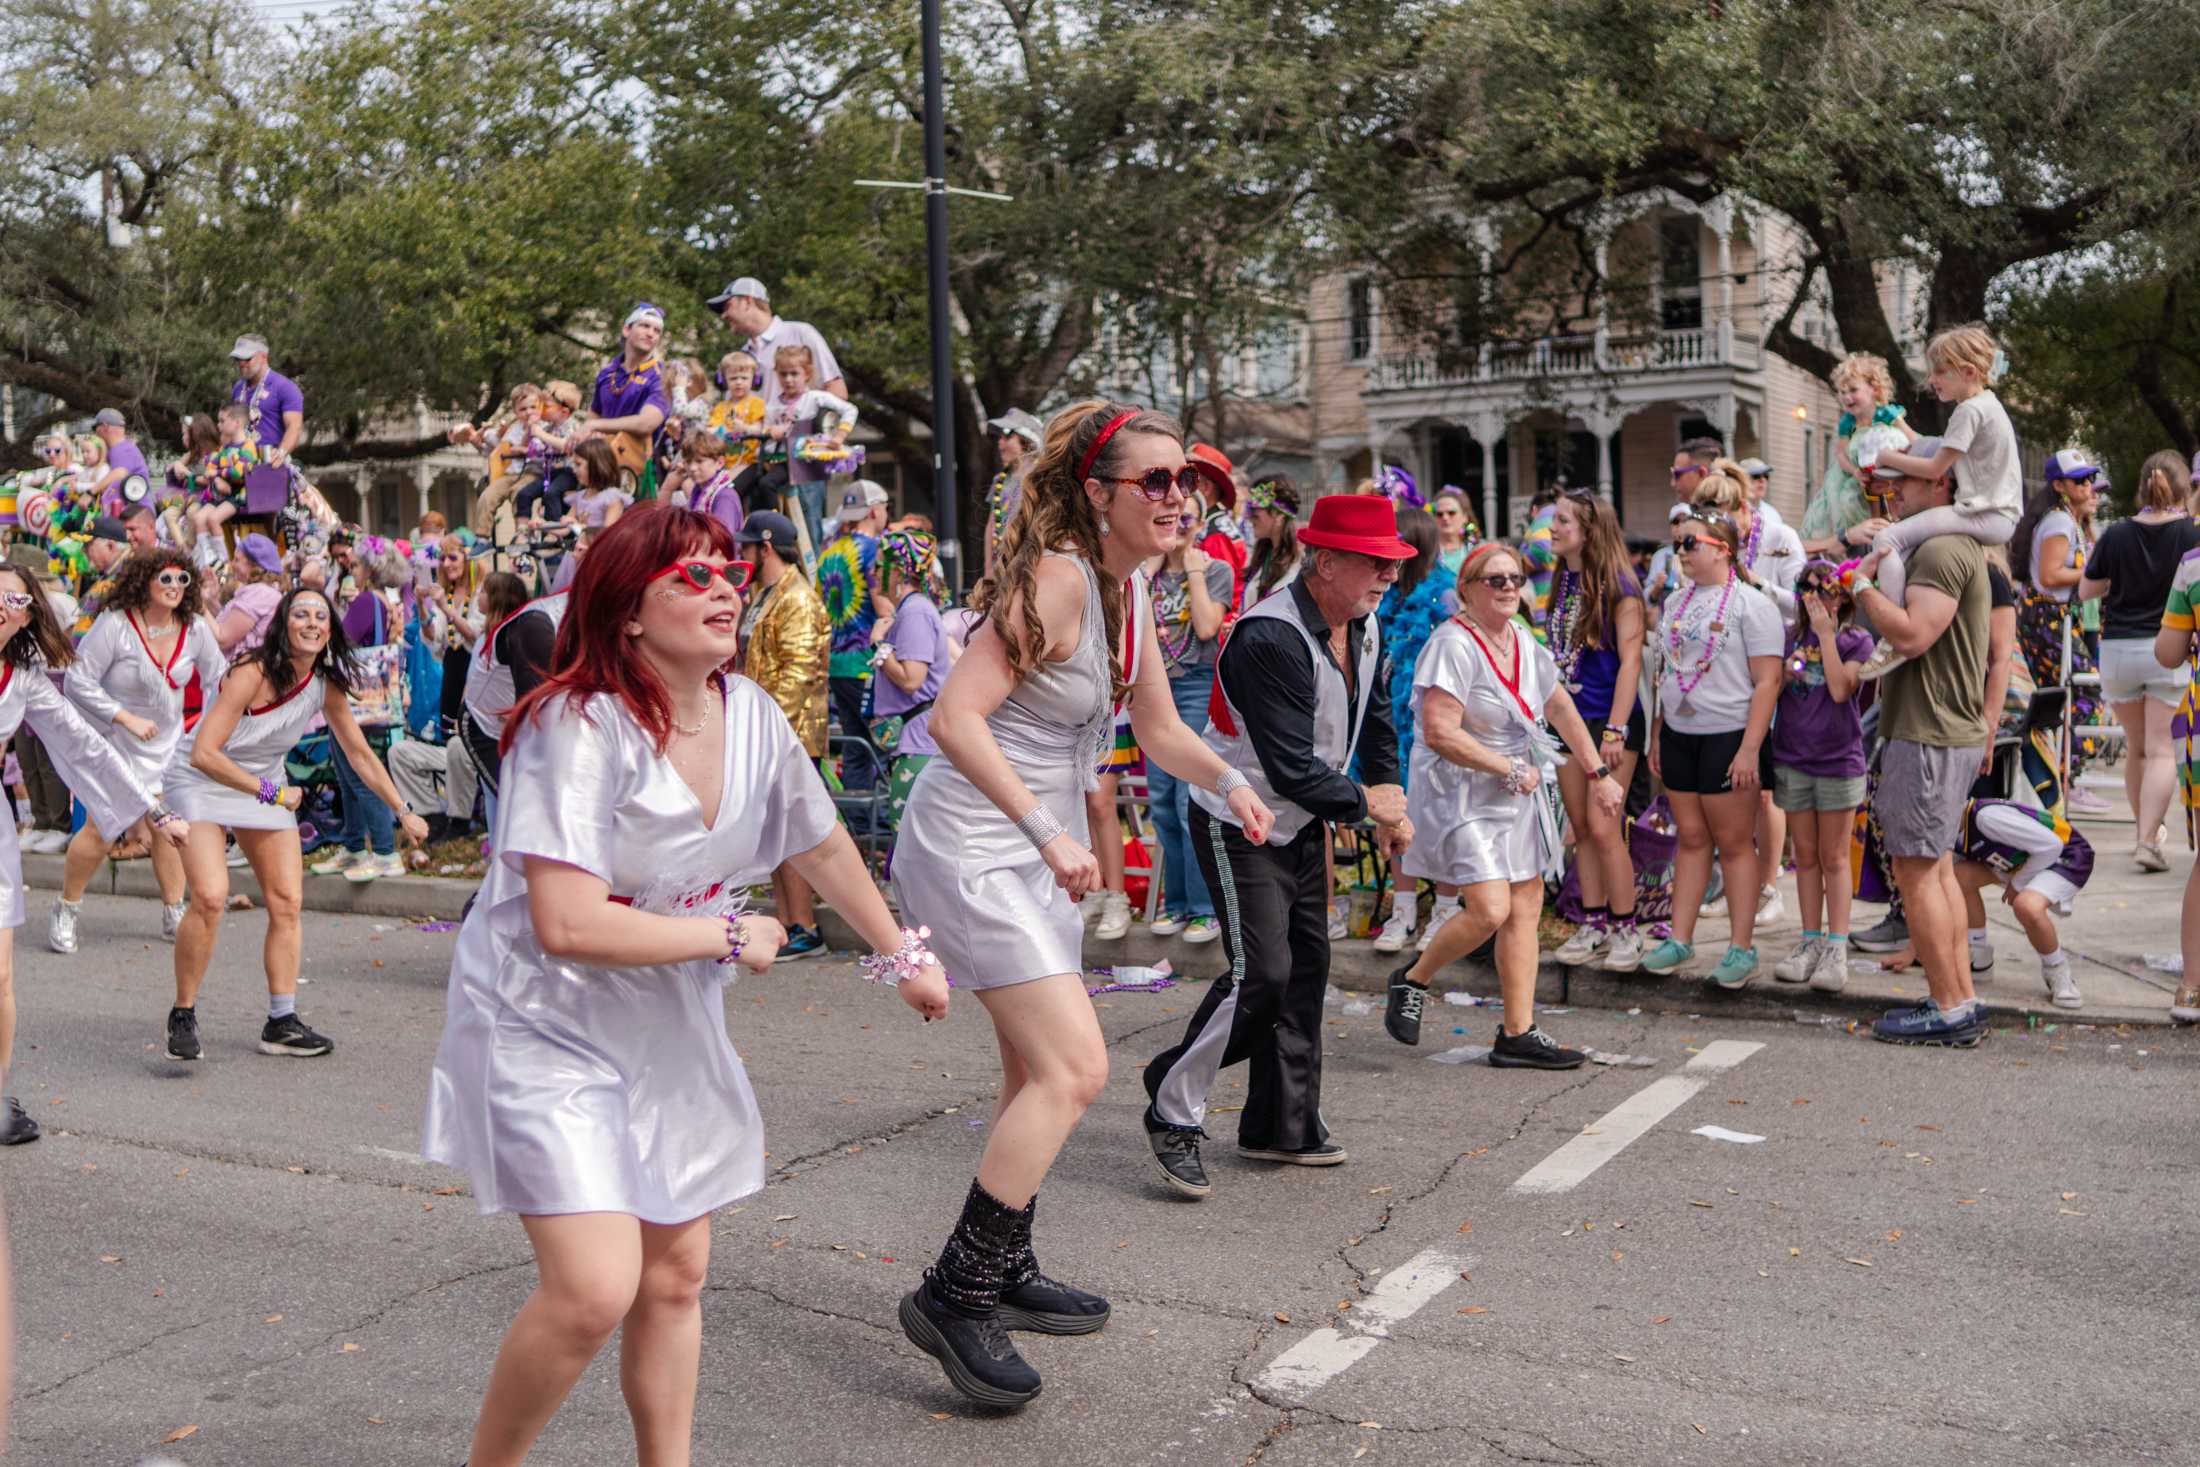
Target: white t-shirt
[
  {"x": 2055, "y": 522},
  {"x": 1988, "y": 475},
  {"x": 1718, "y": 702}
]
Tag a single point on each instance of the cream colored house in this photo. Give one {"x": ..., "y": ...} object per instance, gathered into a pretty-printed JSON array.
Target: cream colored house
[{"x": 1670, "y": 350}]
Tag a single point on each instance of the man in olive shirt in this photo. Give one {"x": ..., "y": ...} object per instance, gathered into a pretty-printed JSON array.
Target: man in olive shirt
[{"x": 1932, "y": 730}]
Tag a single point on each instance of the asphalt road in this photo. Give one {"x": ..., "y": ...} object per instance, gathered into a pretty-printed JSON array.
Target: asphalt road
[{"x": 1930, "y": 1257}]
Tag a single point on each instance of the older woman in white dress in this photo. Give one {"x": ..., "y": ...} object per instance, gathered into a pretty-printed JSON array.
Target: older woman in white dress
[
  {"x": 585, "y": 1079},
  {"x": 128, "y": 679},
  {"x": 1474, "y": 793}
]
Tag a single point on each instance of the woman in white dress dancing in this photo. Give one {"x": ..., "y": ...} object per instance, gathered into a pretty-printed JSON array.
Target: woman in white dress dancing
[
  {"x": 32, "y": 643},
  {"x": 585, "y": 1080},
  {"x": 128, "y": 679},
  {"x": 229, "y": 776},
  {"x": 993, "y": 854}
]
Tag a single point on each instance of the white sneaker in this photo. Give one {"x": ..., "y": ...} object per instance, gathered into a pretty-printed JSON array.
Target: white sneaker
[
  {"x": 1168, "y": 924},
  {"x": 1770, "y": 907},
  {"x": 1624, "y": 953},
  {"x": 2149, "y": 856},
  {"x": 1716, "y": 907},
  {"x": 1829, "y": 972},
  {"x": 335, "y": 863},
  {"x": 1982, "y": 957},
  {"x": 61, "y": 926},
  {"x": 236, "y": 859},
  {"x": 1884, "y": 659},
  {"x": 1585, "y": 944},
  {"x": 1796, "y": 966},
  {"x": 1337, "y": 927},
  {"x": 1115, "y": 916},
  {"x": 1399, "y": 928},
  {"x": 47, "y": 842},
  {"x": 371, "y": 867},
  {"x": 1202, "y": 929},
  {"x": 171, "y": 918},
  {"x": 1445, "y": 909},
  {"x": 2062, "y": 984}
]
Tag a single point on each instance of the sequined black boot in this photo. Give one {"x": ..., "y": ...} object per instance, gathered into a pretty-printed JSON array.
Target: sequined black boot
[
  {"x": 955, "y": 1315},
  {"x": 1032, "y": 1301}
]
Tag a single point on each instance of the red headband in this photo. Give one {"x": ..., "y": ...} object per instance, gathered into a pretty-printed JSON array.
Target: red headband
[{"x": 1084, "y": 465}]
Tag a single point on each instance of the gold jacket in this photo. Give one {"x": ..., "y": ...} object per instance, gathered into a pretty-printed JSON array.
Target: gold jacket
[{"x": 785, "y": 656}]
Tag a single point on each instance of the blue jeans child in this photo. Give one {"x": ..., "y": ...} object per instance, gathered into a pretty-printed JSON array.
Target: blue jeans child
[
  {"x": 366, "y": 818},
  {"x": 1183, "y": 889}
]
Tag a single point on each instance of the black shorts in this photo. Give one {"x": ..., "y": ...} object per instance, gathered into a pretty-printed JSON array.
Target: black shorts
[
  {"x": 1638, "y": 730},
  {"x": 1697, "y": 764}
]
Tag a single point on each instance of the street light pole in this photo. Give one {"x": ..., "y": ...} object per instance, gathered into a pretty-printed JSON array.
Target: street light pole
[{"x": 945, "y": 495}]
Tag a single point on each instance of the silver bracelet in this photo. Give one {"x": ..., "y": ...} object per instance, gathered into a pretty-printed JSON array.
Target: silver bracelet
[
  {"x": 1228, "y": 780},
  {"x": 1039, "y": 826}
]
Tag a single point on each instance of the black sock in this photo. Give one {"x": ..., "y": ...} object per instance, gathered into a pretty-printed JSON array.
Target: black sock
[
  {"x": 979, "y": 1253},
  {"x": 1597, "y": 917}
]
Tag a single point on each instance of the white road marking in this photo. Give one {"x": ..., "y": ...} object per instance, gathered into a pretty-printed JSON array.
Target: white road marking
[
  {"x": 1630, "y": 1120},
  {"x": 1327, "y": 1353}
]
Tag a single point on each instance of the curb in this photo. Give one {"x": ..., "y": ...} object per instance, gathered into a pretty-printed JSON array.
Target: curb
[{"x": 430, "y": 898}]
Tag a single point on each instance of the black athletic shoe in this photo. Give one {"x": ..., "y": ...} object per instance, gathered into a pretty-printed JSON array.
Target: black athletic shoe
[
  {"x": 1884, "y": 936},
  {"x": 975, "y": 1351},
  {"x": 1329, "y": 1153},
  {"x": 18, "y": 1128},
  {"x": 1176, "y": 1157},
  {"x": 290, "y": 1036},
  {"x": 1046, "y": 1307},
  {"x": 1402, "y": 1015},
  {"x": 1534, "y": 1050},
  {"x": 802, "y": 942},
  {"x": 183, "y": 1035}
]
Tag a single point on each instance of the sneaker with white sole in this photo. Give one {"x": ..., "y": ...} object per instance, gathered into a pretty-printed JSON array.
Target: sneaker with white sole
[
  {"x": 1167, "y": 924},
  {"x": 1588, "y": 940},
  {"x": 2083, "y": 801},
  {"x": 335, "y": 863},
  {"x": 1796, "y": 966},
  {"x": 1716, "y": 907},
  {"x": 1115, "y": 916},
  {"x": 1202, "y": 929},
  {"x": 2062, "y": 984},
  {"x": 1982, "y": 957},
  {"x": 1445, "y": 909},
  {"x": 1337, "y": 928},
  {"x": 1884, "y": 659},
  {"x": 1829, "y": 971},
  {"x": 61, "y": 926},
  {"x": 290, "y": 1038},
  {"x": 2148, "y": 855},
  {"x": 171, "y": 918},
  {"x": 373, "y": 868},
  {"x": 236, "y": 860},
  {"x": 1770, "y": 906},
  {"x": 1398, "y": 930},
  {"x": 1624, "y": 953}
]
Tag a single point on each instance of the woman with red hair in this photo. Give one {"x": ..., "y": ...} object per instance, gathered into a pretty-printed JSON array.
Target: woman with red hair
[{"x": 585, "y": 1079}]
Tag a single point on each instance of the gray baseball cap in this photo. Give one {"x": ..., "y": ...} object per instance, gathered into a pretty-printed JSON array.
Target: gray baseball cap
[
  {"x": 248, "y": 347},
  {"x": 747, "y": 285},
  {"x": 1756, "y": 468},
  {"x": 1924, "y": 448},
  {"x": 110, "y": 418},
  {"x": 1018, "y": 422}
]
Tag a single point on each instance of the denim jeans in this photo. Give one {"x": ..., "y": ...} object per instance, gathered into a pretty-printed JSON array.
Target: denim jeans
[
  {"x": 366, "y": 818},
  {"x": 1183, "y": 889}
]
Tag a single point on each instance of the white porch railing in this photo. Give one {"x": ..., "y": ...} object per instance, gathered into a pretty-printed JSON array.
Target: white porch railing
[{"x": 1566, "y": 356}]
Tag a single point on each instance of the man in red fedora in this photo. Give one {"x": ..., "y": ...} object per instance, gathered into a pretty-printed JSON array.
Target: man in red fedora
[
  {"x": 1300, "y": 688},
  {"x": 1220, "y": 536}
]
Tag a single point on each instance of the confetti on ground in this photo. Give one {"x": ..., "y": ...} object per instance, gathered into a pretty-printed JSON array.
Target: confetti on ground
[{"x": 435, "y": 926}]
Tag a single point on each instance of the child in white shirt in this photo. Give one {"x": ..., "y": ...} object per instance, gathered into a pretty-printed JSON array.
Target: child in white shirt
[{"x": 1979, "y": 444}]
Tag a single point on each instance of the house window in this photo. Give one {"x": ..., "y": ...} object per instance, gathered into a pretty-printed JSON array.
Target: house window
[
  {"x": 1360, "y": 317},
  {"x": 1680, "y": 272}
]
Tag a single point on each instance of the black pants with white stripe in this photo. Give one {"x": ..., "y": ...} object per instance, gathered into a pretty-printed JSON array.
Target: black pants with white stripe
[{"x": 1267, "y": 1011}]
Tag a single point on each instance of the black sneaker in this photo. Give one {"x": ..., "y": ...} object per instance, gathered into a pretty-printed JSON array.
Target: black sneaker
[
  {"x": 18, "y": 1128},
  {"x": 802, "y": 942},
  {"x": 1402, "y": 1015},
  {"x": 290, "y": 1036},
  {"x": 1046, "y": 1307},
  {"x": 183, "y": 1035},
  {"x": 1534, "y": 1050},
  {"x": 1176, "y": 1157},
  {"x": 1884, "y": 936},
  {"x": 975, "y": 1351},
  {"x": 1329, "y": 1153}
]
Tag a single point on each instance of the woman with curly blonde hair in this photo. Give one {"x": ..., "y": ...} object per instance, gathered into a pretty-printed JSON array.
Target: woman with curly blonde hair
[{"x": 992, "y": 853}]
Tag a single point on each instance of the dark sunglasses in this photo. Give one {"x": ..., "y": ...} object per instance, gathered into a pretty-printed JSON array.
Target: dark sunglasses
[
  {"x": 1449, "y": 514},
  {"x": 1504, "y": 581},
  {"x": 698, "y": 573},
  {"x": 1680, "y": 474},
  {"x": 1155, "y": 484},
  {"x": 1687, "y": 543},
  {"x": 173, "y": 578}
]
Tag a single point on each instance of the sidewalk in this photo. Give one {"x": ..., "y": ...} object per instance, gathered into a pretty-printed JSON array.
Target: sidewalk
[{"x": 2123, "y": 917}]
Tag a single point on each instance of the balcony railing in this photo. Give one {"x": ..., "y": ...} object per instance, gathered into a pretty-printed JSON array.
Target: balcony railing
[{"x": 1566, "y": 356}]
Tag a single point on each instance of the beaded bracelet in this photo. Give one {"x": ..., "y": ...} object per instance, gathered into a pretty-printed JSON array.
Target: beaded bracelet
[
  {"x": 1039, "y": 826},
  {"x": 1229, "y": 780},
  {"x": 1519, "y": 777},
  {"x": 734, "y": 941},
  {"x": 270, "y": 792},
  {"x": 904, "y": 963}
]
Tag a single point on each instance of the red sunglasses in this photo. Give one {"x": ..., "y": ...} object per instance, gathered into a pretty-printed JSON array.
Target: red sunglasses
[
  {"x": 697, "y": 573},
  {"x": 1155, "y": 484}
]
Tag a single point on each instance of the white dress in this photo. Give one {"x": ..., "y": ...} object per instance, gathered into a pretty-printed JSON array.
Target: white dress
[
  {"x": 963, "y": 869},
  {"x": 562, "y": 1087},
  {"x": 115, "y": 672},
  {"x": 89, "y": 766},
  {"x": 259, "y": 744},
  {"x": 1467, "y": 826}
]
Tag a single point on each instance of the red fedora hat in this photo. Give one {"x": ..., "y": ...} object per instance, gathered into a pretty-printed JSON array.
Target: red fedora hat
[
  {"x": 1216, "y": 469},
  {"x": 1365, "y": 524}
]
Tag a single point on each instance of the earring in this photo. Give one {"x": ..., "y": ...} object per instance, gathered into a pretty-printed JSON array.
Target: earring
[
  {"x": 633, "y": 628},
  {"x": 1105, "y": 528}
]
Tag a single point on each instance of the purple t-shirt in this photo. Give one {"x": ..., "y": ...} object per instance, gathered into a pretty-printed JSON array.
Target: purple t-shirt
[
  {"x": 722, "y": 502},
  {"x": 124, "y": 456},
  {"x": 621, "y": 394},
  {"x": 1811, "y": 733},
  {"x": 274, "y": 395},
  {"x": 917, "y": 637}
]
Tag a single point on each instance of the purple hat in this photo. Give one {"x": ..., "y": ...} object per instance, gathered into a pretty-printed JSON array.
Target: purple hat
[
  {"x": 2071, "y": 463},
  {"x": 261, "y": 552}
]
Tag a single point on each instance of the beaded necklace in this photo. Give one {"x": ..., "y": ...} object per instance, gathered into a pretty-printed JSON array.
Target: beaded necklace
[
  {"x": 1174, "y": 650},
  {"x": 1566, "y": 599},
  {"x": 1714, "y": 636},
  {"x": 1756, "y": 533}
]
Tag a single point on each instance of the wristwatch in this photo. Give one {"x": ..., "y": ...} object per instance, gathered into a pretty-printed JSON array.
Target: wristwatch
[{"x": 1604, "y": 771}]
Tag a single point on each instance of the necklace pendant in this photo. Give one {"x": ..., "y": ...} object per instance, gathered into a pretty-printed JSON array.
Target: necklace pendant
[
  {"x": 1686, "y": 706},
  {"x": 1718, "y": 626}
]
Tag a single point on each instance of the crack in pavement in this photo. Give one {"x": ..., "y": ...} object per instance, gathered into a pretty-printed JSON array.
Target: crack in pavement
[
  {"x": 115, "y": 1359},
  {"x": 296, "y": 1169}
]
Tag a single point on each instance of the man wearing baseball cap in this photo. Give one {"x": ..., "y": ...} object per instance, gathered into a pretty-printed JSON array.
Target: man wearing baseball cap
[
  {"x": 123, "y": 458},
  {"x": 784, "y": 632},
  {"x": 746, "y": 307},
  {"x": 1016, "y": 436},
  {"x": 275, "y": 405},
  {"x": 630, "y": 396},
  {"x": 1300, "y": 690},
  {"x": 847, "y": 582}
]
